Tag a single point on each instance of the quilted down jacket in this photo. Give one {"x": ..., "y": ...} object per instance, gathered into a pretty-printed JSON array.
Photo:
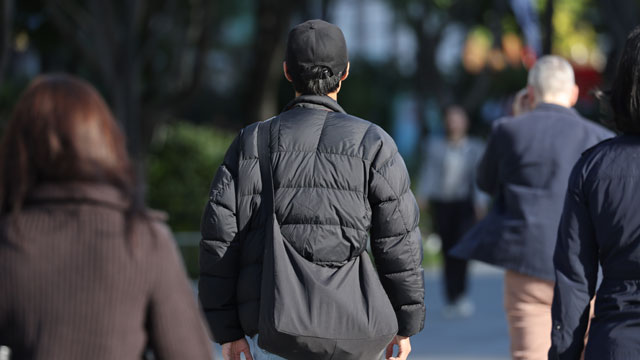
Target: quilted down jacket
[{"x": 339, "y": 181}]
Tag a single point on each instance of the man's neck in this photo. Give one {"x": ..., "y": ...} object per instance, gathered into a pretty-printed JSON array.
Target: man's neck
[
  {"x": 333, "y": 95},
  {"x": 555, "y": 101}
]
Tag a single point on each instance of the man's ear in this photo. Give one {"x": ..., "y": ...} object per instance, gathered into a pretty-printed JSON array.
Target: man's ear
[
  {"x": 286, "y": 71},
  {"x": 346, "y": 72},
  {"x": 575, "y": 93},
  {"x": 531, "y": 97}
]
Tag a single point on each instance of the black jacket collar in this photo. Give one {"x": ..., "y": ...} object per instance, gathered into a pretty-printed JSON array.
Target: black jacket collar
[{"x": 321, "y": 102}]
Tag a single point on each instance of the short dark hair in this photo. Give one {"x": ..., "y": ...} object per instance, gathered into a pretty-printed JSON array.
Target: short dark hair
[
  {"x": 624, "y": 96},
  {"x": 315, "y": 80}
]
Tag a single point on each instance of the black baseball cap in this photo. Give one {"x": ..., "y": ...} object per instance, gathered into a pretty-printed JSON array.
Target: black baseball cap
[{"x": 316, "y": 42}]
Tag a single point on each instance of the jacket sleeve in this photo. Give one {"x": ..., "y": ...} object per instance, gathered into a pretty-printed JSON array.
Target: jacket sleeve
[
  {"x": 395, "y": 238},
  {"x": 576, "y": 263},
  {"x": 487, "y": 171},
  {"x": 174, "y": 321},
  {"x": 220, "y": 251}
]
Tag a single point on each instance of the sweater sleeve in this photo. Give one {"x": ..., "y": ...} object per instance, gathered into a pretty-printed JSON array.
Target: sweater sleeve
[
  {"x": 220, "y": 251},
  {"x": 395, "y": 237},
  {"x": 576, "y": 263},
  {"x": 174, "y": 321}
]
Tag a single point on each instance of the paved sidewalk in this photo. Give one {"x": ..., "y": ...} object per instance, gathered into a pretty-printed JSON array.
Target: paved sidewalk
[{"x": 483, "y": 336}]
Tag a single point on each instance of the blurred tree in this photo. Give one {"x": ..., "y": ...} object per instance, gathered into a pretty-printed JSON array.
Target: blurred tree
[
  {"x": 122, "y": 41},
  {"x": 6, "y": 21},
  {"x": 318, "y": 9},
  {"x": 619, "y": 17},
  {"x": 179, "y": 186},
  {"x": 547, "y": 22},
  {"x": 273, "y": 19},
  {"x": 429, "y": 21},
  {"x": 325, "y": 5},
  {"x": 220, "y": 61}
]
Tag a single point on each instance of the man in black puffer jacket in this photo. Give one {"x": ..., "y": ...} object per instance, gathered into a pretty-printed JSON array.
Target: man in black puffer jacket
[{"x": 339, "y": 181}]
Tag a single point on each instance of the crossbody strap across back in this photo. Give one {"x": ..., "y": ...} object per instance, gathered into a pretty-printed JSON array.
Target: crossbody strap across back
[{"x": 266, "y": 175}]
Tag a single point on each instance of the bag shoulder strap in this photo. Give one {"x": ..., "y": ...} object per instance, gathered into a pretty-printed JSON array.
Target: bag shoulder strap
[{"x": 264, "y": 158}]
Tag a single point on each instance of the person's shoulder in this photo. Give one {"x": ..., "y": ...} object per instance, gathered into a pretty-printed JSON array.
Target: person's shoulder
[
  {"x": 350, "y": 118},
  {"x": 528, "y": 119},
  {"x": 150, "y": 230},
  {"x": 436, "y": 142},
  {"x": 376, "y": 142},
  {"x": 475, "y": 142},
  {"x": 603, "y": 157},
  {"x": 251, "y": 130},
  {"x": 353, "y": 125},
  {"x": 601, "y": 146},
  {"x": 597, "y": 129},
  {"x": 506, "y": 124},
  {"x": 376, "y": 135},
  {"x": 618, "y": 151},
  {"x": 245, "y": 144}
]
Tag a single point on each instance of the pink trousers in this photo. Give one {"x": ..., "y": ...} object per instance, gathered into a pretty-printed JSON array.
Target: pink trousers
[{"x": 527, "y": 302}]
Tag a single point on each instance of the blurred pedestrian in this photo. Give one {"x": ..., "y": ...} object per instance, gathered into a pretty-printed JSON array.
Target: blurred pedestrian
[
  {"x": 447, "y": 187},
  {"x": 86, "y": 272},
  {"x": 310, "y": 185},
  {"x": 600, "y": 225},
  {"x": 526, "y": 167}
]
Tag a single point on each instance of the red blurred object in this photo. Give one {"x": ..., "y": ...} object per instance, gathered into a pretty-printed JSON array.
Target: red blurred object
[
  {"x": 529, "y": 57},
  {"x": 587, "y": 79}
]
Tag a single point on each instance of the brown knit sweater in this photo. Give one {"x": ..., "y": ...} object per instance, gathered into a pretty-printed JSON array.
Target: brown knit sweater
[{"x": 72, "y": 286}]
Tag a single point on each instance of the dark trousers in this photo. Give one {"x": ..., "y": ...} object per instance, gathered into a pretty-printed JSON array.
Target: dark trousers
[{"x": 451, "y": 220}]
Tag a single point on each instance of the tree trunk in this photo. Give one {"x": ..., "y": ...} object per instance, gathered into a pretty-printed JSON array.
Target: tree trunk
[
  {"x": 547, "y": 24},
  {"x": 273, "y": 20},
  {"x": 422, "y": 58},
  {"x": 6, "y": 17},
  {"x": 429, "y": 83},
  {"x": 626, "y": 18},
  {"x": 325, "y": 6},
  {"x": 130, "y": 81}
]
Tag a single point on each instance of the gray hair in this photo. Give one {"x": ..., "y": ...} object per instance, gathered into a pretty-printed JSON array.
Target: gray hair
[{"x": 551, "y": 76}]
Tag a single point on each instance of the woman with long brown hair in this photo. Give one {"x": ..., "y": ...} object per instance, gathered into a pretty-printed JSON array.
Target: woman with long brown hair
[{"x": 86, "y": 272}]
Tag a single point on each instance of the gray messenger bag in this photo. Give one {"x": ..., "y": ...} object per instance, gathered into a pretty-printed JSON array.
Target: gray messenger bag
[{"x": 314, "y": 312}]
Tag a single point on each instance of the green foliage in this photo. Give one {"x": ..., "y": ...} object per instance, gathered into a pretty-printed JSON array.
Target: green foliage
[
  {"x": 572, "y": 31},
  {"x": 443, "y": 4},
  {"x": 9, "y": 93},
  {"x": 368, "y": 91},
  {"x": 188, "y": 243},
  {"x": 182, "y": 162},
  {"x": 190, "y": 257}
]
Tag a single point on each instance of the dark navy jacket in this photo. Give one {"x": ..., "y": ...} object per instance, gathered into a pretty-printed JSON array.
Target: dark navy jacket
[
  {"x": 600, "y": 223},
  {"x": 526, "y": 167}
]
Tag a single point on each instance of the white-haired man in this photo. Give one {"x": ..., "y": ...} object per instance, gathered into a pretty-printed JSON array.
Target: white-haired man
[{"x": 526, "y": 168}]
